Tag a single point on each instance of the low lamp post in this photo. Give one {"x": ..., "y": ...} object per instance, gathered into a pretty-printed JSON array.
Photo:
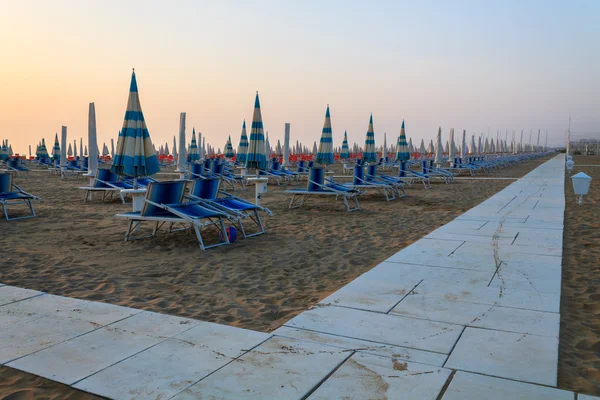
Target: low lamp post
[
  {"x": 570, "y": 165},
  {"x": 581, "y": 185}
]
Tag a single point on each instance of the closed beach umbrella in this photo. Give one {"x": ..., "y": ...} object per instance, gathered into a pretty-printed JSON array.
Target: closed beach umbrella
[
  {"x": 243, "y": 146},
  {"x": 369, "y": 154},
  {"x": 174, "y": 149},
  {"x": 268, "y": 145},
  {"x": 112, "y": 147},
  {"x": 479, "y": 146},
  {"x": 44, "y": 150},
  {"x": 229, "y": 148},
  {"x": 70, "y": 151},
  {"x": 75, "y": 148},
  {"x": 431, "y": 147},
  {"x": 402, "y": 151},
  {"x": 194, "y": 155},
  {"x": 278, "y": 151},
  {"x": 486, "y": 146},
  {"x": 451, "y": 146},
  {"x": 438, "y": 147},
  {"x": 325, "y": 152},
  {"x": 256, "y": 155},
  {"x": 472, "y": 148},
  {"x": 315, "y": 150},
  {"x": 4, "y": 151},
  {"x": 56, "y": 148},
  {"x": 134, "y": 154},
  {"x": 422, "y": 148},
  {"x": 463, "y": 146},
  {"x": 345, "y": 154}
]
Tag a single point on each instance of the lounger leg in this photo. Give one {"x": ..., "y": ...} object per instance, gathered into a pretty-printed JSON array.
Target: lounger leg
[{"x": 199, "y": 236}]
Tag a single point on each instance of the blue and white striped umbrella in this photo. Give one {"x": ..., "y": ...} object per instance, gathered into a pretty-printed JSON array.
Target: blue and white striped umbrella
[
  {"x": 243, "y": 146},
  {"x": 228, "y": 149},
  {"x": 56, "y": 149},
  {"x": 402, "y": 153},
  {"x": 369, "y": 153},
  {"x": 4, "y": 151},
  {"x": 256, "y": 156},
  {"x": 43, "y": 151},
  {"x": 194, "y": 155},
  {"x": 345, "y": 154},
  {"x": 325, "y": 152},
  {"x": 134, "y": 155}
]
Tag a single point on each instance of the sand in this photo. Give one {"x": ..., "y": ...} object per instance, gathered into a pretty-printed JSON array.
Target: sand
[
  {"x": 579, "y": 350},
  {"x": 78, "y": 250}
]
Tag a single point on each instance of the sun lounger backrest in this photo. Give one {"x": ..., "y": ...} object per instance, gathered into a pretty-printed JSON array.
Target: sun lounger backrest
[
  {"x": 72, "y": 163},
  {"x": 6, "y": 183},
  {"x": 207, "y": 164},
  {"x": 206, "y": 188},
  {"x": 311, "y": 164},
  {"x": 301, "y": 166},
  {"x": 275, "y": 165},
  {"x": 197, "y": 169},
  {"x": 217, "y": 168},
  {"x": 372, "y": 170},
  {"x": 105, "y": 175},
  {"x": 169, "y": 192},
  {"x": 402, "y": 171},
  {"x": 359, "y": 174},
  {"x": 13, "y": 163},
  {"x": 85, "y": 163},
  {"x": 430, "y": 163},
  {"x": 317, "y": 174},
  {"x": 424, "y": 164}
]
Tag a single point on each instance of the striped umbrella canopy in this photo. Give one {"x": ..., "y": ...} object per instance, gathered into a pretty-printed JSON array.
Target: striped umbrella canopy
[
  {"x": 243, "y": 146},
  {"x": 325, "y": 152},
  {"x": 193, "y": 153},
  {"x": 43, "y": 150},
  {"x": 134, "y": 154},
  {"x": 256, "y": 156},
  {"x": 56, "y": 148},
  {"x": 229, "y": 148},
  {"x": 345, "y": 154},
  {"x": 369, "y": 154},
  {"x": 403, "y": 153},
  {"x": 3, "y": 151}
]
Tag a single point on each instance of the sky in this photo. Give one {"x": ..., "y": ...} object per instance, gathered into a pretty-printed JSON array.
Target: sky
[{"x": 474, "y": 65}]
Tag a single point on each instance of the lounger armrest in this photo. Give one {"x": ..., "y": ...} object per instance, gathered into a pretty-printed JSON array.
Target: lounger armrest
[{"x": 34, "y": 197}]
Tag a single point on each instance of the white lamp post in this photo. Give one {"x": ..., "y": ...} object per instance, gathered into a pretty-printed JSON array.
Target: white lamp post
[
  {"x": 581, "y": 185},
  {"x": 570, "y": 165}
]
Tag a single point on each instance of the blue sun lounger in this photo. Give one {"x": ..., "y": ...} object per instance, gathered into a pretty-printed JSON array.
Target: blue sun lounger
[
  {"x": 397, "y": 183},
  {"x": 237, "y": 209},
  {"x": 361, "y": 183},
  {"x": 164, "y": 204},
  {"x": 108, "y": 184},
  {"x": 318, "y": 186},
  {"x": 15, "y": 165},
  {"x": 11, "y": 194}
]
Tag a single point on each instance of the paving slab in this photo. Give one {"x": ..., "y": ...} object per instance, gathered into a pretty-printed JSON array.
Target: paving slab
[
  {"x": 380, "y": 328},
  {"x": 372, "y": 295},
  {"x": 536, "y": 279},
  {"x": 369, "y": 377},
  {"x": 87, "y": 354},
  {"x": 467, "y": 386},
  {"x": 483, "y": 294},
  {"x": 586, "y": 397},
  {"x": 443, "y": 309},
  {"x": 24, "y": 336},
  {"x": 11, "y": 294},
  {"x": 427, "y": 247},
  {"x": 68, "y": 308},
  {"x": 509, "y": 355},
  {"x": 172, "y": 366},
  {"x": 362, "y": 346},
  {"x": 280, "y": 368},
  {"x": 452, "y": 273}
]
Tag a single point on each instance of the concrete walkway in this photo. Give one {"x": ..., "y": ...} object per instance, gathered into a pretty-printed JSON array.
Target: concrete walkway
[{"x": 471, "y": 311}]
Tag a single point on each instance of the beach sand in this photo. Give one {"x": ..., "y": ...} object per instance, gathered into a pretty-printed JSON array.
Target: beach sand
[
  {"x": 78, "y": 250},
  {"x": 579, "y": 350}
]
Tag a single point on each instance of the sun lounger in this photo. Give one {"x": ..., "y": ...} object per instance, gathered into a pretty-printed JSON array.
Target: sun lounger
[
  {"x": 15, "y": 165},
  {"x": 164, "y": 204},
  {"x": 11, "y": 194},
  {"x": 108, "y": 183},
  {"x": 396, "y": 182},
  {"x": 236, "y": 208},
  {"x": 361, "y": 183},
  {"x": 317, "y": 186}
]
